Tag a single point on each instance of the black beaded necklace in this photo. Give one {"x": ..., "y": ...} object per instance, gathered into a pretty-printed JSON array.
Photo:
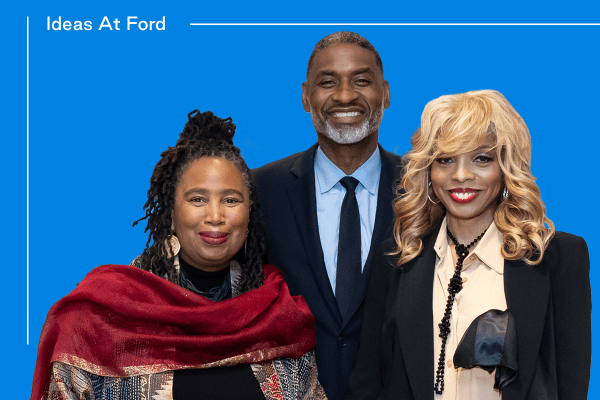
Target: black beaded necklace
[{"x": 454, "y": 287}]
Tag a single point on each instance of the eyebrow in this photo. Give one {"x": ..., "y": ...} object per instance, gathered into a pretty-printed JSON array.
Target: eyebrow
[
  {"x": 206, "y": 192},
  {"x": 480, "y": 149},
  {"x": 362, "y": 71},
  {"x": 327, "y": 72},
  {"x": 232, "y": 191}
]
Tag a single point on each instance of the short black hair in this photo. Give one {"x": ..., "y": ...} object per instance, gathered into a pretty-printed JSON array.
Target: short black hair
[{"x": 344, "y": 37}]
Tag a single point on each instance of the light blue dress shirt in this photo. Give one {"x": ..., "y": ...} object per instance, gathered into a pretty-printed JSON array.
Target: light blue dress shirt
[{"x": 330, "y": 195}]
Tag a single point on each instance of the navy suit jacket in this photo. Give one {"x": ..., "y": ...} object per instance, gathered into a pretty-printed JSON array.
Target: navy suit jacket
[
  {"x": 288, "y": 201},
  {"x": 550, "y": 302}
]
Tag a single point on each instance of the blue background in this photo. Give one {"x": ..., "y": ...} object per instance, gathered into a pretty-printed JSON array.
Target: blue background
[{"x": 105, "y": 104}]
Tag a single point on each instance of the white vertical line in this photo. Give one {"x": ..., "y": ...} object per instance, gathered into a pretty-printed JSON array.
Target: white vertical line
[{"x": 28, "y": 180}]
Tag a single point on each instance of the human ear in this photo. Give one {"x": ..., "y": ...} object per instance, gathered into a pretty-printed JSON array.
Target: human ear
[
  {"x": 386, "y": 94},
  {"x": 305, "y": 102}
]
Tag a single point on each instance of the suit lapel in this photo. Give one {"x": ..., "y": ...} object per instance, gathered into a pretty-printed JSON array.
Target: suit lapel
[
  {"x": 384, "y": 218},
  {"x": 527, "y": 291},
  {"x": 415, "y": 319},
  {"x": 301, "y": 193}
]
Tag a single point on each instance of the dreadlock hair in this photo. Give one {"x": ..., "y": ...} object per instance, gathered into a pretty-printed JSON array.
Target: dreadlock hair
[{"x": 204, "y": 135}]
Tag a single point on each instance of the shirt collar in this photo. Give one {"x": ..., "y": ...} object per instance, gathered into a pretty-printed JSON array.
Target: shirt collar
[
  {"x": 330, "y": 174},
  {"x": 487, "y": 250}
]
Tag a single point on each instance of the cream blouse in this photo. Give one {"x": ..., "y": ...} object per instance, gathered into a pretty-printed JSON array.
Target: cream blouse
[{"x": 483, "y": 290}]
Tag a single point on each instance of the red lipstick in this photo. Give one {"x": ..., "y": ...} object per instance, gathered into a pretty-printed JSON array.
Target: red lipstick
[
  {"x": 213, "y": 238},
  {"x": 461, "y": 195}
]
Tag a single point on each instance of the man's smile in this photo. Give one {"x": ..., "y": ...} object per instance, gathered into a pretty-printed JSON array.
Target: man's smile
[{"x": 346, "y": 114}]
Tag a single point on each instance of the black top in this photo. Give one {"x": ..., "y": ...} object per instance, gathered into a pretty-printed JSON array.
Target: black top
[
  {"x": 219, "y": 383},
  {"x": 204, "y": 281}
]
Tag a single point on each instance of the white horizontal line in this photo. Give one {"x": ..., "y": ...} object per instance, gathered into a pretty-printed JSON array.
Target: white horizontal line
[{"x": 392, "y": 24}]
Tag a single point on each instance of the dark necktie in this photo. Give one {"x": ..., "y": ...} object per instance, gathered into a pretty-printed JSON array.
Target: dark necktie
[{"x": 348, "y": 257}]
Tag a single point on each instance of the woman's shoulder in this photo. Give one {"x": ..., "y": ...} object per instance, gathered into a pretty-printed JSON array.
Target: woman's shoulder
[
  {"x": 567, "y": 237},
  {"x": 566, "y": 254},
  {"x": 567, "y": 244}
]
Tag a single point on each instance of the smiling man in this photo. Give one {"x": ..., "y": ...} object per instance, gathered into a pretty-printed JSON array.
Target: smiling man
[{"x": 327, "y": 209}]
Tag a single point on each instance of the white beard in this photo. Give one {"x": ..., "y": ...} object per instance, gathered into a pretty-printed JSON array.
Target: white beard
[{"x": 348, "y": 134}]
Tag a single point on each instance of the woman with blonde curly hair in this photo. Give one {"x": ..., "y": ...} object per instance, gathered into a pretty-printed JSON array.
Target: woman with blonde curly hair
[{"x": 475, "y": 296}]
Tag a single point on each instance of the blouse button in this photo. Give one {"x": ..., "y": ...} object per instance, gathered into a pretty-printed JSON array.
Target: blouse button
[{"x": 449, "y": 364}]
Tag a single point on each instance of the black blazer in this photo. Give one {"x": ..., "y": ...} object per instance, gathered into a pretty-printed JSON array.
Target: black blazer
[
  {"x": 550, "y": 302},
  {"x": 287, "y": 195}
]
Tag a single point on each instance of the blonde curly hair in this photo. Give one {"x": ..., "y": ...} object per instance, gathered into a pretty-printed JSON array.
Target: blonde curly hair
[{"x": 460, "y": 123}]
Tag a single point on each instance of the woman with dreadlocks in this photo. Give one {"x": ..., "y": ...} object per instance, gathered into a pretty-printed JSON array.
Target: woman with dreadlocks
[{"x": 200, "y": 317}]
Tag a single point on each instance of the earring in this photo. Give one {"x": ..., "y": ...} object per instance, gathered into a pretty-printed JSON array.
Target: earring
[
  {"x": 505, "y": 194},
  {"x": 429, "y": 197},
  {"x": 172, "y": 246},
  {"x": 246, "y": 242}
]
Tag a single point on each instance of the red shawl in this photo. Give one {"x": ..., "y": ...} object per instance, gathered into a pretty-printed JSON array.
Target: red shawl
[{"x": 122, "y": 321}]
